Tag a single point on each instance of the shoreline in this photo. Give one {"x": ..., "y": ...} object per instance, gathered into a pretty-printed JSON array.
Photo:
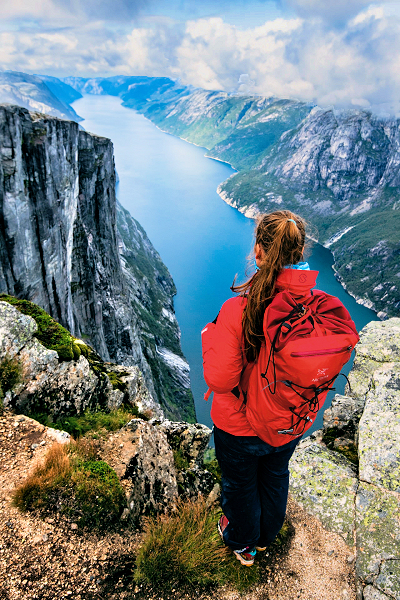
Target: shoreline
[{"x": 251, "y": 212}]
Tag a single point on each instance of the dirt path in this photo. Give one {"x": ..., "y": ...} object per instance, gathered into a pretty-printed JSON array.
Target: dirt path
[{"x": 51, "y": 560}]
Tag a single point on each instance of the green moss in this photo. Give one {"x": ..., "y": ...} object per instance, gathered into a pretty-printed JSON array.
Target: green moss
[
  {"x": 116, "y": 381},
  {"x": 181, "y": 463},
  {"x": 91, "y": 422},
  {"x": 10, "y": 373}
]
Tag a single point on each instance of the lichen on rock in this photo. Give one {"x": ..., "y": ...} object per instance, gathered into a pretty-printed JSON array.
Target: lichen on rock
[{"x": 363, "y": 506}]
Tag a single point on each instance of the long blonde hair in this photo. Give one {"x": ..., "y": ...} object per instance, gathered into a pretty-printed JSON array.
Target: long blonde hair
[{"x": 281, "y": 235}]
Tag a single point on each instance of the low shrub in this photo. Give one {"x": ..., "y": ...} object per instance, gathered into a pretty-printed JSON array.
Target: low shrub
[
  {"x": 184, "y": 549},
  {"x": 72, "y": 482}
]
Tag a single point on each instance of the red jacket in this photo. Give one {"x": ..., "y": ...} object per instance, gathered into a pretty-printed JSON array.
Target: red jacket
[{"x": 224, "y": 362}]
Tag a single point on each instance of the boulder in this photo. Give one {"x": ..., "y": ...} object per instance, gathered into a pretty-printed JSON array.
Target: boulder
[
  {"x": 371, "y": 593},
  {"x": 324, "y": 483},
  {"x": 363, "y": 506},
  {"x": 144, "y": 462},
  {"x": 64, "y": 388},
  {"x": 377, "y": 535},
  {"x": 379, "y": 430},
  {"x": 190, "y": 439}
]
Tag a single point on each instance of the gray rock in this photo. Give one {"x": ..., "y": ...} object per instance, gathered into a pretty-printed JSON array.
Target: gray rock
[
  {"x": 388, "y": 579},
  {"x": 371, "y": 593},
  {"x": 134, "y": 391},
  {"x": 379, "y": 343},
  {"x": 63, "y": 388},
  {"x": 379, "y": 430},
  {"x": 194, "y": 481},
  {"x": 190, "y": 439},
  {"x": 143, "y": 460},
  {"x": 324, "y": 484},
  {"x": 344, "y": 413},
  {"x": 16, "y": 330},
  {"x": 377, "y": 529}
]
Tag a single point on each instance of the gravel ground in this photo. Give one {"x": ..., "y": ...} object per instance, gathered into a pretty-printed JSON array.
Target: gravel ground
[{"x": 51, "y": 559}]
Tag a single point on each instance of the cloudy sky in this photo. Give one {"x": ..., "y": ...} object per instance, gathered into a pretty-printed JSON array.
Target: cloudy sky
[{"x": 332, "y": 52}]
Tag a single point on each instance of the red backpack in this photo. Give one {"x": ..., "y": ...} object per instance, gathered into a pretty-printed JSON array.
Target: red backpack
[{"x": 306, "y": 345}]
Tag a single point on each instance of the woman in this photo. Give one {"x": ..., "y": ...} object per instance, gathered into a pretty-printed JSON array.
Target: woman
[{"x": 255, "y": 474}]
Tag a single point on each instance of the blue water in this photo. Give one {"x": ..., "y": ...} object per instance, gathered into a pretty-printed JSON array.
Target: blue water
[{"x": 170, "y": 188}]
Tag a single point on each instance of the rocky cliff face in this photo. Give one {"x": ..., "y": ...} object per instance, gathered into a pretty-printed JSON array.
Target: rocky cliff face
[
  {"x": 68, "y": 247},
  {"x": 360, "y": 498}
]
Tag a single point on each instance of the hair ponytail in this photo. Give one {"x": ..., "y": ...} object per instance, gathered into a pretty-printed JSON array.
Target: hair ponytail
[{"x": 281, "y": 235}]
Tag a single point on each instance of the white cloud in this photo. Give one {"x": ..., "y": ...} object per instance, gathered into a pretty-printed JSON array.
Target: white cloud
[{"x": 355, "y": 65}]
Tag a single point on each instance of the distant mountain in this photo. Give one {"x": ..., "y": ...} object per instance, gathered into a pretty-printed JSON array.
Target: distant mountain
[
  {"x": 61, "y": 90},
  {"x": 51, "y": 97},
  {"x": 338, "y": 169}
]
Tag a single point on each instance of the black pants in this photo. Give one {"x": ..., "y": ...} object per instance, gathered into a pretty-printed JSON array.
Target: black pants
[{"x": 255, "y": 483}]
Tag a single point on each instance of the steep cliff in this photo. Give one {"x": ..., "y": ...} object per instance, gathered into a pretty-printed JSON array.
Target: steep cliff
[
  {"x": 45, "y": 94},
  {"x": 68, "y": 247}
]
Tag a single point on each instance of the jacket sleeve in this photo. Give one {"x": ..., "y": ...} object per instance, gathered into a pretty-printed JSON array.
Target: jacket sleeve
[{"x": 222, "y": 349}]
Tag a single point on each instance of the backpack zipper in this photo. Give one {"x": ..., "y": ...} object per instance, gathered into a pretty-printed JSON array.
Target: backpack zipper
[{"x": 322, "y": 352}]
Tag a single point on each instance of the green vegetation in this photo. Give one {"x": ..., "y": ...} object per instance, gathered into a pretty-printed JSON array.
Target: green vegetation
[
  {"x": 93, "y": 423},
  {"x": 213, "y": 467},
  {"x": 72, "y": 482},
  {"x": 10, "y": 376},
  {"x": 50, "y": 333},
  {"x": 211, "y": 464},
  {"x": 181, "y": 463},
  {"x": 184, "y": 549}
]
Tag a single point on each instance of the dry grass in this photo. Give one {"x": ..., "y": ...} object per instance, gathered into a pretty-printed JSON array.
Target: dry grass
[
  {"x": 73, "y": 482},
  {"x": 54, "y": 471}
]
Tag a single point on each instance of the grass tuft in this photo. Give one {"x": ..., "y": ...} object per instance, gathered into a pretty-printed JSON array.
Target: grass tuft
[
  {"x": 184, "y": 549},
  {"x": 71, "y": 481}
]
